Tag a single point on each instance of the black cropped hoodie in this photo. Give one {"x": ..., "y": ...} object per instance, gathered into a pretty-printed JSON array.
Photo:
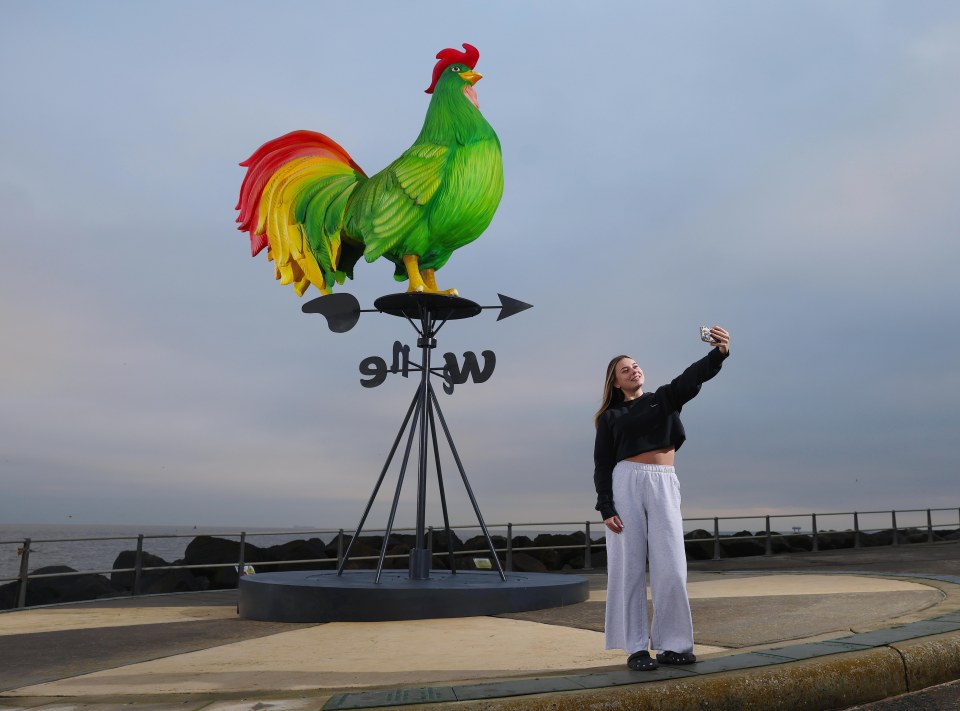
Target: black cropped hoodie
[{"x": 645, "y": 424}]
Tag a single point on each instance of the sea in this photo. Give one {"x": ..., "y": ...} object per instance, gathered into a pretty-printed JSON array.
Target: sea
[{"x": 94, "y": 548}]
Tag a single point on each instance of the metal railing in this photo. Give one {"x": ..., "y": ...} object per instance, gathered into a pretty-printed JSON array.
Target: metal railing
[
  {"x": 898, "y": 535},
  {"x": 816, "y": 534}
]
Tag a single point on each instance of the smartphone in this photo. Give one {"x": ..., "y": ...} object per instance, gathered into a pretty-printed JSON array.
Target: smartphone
[{"x": 705, "y": 335}]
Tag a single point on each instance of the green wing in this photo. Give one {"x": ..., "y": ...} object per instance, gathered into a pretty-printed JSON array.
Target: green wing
[{"x": 390, "y": 212}]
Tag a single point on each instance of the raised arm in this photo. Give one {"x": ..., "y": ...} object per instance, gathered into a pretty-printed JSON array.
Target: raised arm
[{"x": 685, "y": 386}]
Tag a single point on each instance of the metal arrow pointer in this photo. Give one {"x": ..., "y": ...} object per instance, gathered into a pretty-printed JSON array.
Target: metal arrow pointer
[{"x": 342, "y": 310}]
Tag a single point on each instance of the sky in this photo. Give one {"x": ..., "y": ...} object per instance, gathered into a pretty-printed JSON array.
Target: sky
[{"x": 787, "y": 170}]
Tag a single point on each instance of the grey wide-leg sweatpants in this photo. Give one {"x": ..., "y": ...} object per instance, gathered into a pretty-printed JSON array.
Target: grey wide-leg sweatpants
[{"x": 647, "y": 498}]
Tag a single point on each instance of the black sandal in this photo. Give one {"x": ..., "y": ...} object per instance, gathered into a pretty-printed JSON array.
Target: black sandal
[
  {"x": 668, "y": 657},
  {"x": 641, "y": 661}
]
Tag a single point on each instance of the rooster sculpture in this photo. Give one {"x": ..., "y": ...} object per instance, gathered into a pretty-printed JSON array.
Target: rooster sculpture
[{"x": 313, "y": 208}]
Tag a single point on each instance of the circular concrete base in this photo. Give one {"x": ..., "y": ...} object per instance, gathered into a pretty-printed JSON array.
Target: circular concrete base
[{"x": 324, "y": 596}]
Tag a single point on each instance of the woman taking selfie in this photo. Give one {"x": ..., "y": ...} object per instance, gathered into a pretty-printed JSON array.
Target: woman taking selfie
[{"x": 638, "y": 496}]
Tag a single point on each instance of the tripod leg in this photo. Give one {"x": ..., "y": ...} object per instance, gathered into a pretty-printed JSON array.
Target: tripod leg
[
  {"x": 463, "y": 475},
  {"x": 396, "y": 495},
  {"x": 443, "y": 498},
  {"x": 376, "y": 489}
]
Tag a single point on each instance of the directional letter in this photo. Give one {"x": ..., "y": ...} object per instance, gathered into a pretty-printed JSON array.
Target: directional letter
[
  {"x": 376, "y": 368},
  {"x": 453, "y": 375},
  {"x": 401, "y": 359}
]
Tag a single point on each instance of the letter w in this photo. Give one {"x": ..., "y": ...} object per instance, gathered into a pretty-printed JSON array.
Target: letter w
[{"x": 454, "y": 375}]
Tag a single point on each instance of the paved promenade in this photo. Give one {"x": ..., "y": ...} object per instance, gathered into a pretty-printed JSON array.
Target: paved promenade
[{"x": 804, "y": 631}]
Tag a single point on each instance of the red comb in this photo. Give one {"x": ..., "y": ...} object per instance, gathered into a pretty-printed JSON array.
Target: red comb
[{"x": 454, "y": 56}]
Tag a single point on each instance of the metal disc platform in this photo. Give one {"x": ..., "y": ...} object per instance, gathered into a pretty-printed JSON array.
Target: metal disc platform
[
  {"x": 354, "y": 596},
  {"x": 439, "y": 306}
]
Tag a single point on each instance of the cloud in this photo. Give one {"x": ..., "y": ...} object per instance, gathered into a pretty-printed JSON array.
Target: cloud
[{"x": 790, "y": 174}]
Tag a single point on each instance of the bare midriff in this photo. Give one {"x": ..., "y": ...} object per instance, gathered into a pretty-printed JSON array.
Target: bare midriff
[{"x": 657, "y": 456}]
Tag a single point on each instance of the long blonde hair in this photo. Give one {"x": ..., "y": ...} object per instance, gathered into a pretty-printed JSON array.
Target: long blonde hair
[{"x": 611, "y": 395}]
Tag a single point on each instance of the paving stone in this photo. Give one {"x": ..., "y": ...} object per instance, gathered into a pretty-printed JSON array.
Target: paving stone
[
  {"x": 394, "y": 697},
  {"x": 816, "y": 649},
  {"x": 624, "y": 677},
  {"x": 899, "y": 634},
  {"x": 518, "y": 687},
  {"x": 735, "y": 661}
]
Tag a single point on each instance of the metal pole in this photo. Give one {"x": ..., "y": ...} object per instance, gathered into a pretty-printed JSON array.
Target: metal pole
[
  {"x": 376, "y": 489},
  {"x": 138, "y": 565},
  {"x": 24, "y": 574},
  {"x": 509, "y": 556},
  {"x": 816, "y": 543},
  {"x": 856, "y": 531},
  {"x": 929, "y": 527},
  {"x": 587, "y": 558},
  {"x": 716, "y": 538},
  {"x": 896, "y": 534},
  {"x": 340, "y": 548},
  {"x": 451, "y": 563},
  {"x": 241, "y": 562},
  {"x": 419, "y": 562},
  {"x": 768, "y": 550},
  {"x": 466, "y": 482},
  {"x": 396, "y": 495}
]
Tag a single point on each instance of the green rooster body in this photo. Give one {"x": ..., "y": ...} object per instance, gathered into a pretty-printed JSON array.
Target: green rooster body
[{"x": 320, "y": 213}]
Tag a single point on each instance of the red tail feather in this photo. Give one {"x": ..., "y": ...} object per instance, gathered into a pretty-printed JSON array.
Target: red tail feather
[{"x": 266, "y": 160}]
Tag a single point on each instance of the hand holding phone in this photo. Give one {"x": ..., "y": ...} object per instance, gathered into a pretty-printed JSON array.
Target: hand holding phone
[{"x": 716, "y": 336}]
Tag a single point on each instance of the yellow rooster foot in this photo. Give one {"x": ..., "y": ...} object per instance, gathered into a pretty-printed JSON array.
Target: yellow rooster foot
[
  {"x": 415, "y": 281},
  {"x": 424, "y": 281},
  {"x": 430, "y": 280}
]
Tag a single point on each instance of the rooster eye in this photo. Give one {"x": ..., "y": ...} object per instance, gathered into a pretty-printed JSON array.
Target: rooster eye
[{"x": 456, "y": 69}]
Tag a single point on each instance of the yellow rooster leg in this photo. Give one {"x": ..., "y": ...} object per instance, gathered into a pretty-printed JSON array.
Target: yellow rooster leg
[
  {"x": 430, "y": 280},
  {"x": 413, "y": 273}
]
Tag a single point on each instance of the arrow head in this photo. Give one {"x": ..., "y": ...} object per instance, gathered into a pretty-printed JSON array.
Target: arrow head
[
  {"x": 342, "y": 310},
  {"x": 509, "y": 307}
]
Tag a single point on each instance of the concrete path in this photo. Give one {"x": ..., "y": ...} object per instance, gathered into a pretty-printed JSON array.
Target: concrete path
[{"x": 192, "y": 651}]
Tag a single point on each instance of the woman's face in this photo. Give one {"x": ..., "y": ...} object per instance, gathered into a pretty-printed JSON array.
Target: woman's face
[{"x": 628, "y": 376}]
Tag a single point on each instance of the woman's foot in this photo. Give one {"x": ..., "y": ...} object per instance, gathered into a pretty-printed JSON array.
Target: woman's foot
[
  {"x": 668, "y": 657},
  {"x": 641, "y": 661}
]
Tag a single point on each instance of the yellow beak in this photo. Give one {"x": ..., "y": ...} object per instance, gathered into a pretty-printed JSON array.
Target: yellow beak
[{"x": 471, "y": 76}]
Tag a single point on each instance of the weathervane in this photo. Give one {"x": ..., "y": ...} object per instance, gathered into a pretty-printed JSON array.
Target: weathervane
[
  {"x": 317, "y": 214},
  {"x": 427, "y": 313}
]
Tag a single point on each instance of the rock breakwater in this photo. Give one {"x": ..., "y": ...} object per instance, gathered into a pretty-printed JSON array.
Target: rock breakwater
[{"x": 212, "y": 562}]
